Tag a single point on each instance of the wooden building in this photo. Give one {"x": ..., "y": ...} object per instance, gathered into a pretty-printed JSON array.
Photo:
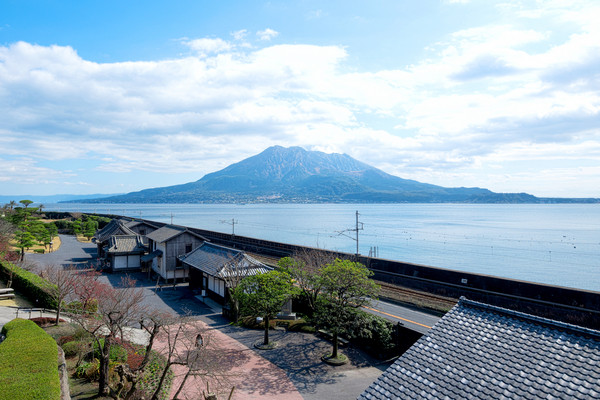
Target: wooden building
[
  {"x": 166, "y": 244},
  {"x": 142, "y": 228},
  {"x": 212, "y": 268},
  {"x": 124, "y": 252},
  {"x": 116, "y": 227}
]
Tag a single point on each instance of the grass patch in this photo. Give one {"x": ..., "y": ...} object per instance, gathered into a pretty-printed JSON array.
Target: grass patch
[{"x": 28, "y": 360}]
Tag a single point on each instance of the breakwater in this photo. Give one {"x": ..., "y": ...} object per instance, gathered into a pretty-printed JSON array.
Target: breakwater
[{"x": 581, "y": 307}]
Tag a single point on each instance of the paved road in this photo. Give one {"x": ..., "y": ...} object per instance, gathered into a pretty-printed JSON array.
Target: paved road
[
  {"x": 411, "y": 319},
  {"x": 70, "y": 252}
]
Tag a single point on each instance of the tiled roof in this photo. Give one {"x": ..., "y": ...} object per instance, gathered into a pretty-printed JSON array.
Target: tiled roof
[
  {"x": 478, "y": 351},
  {"x": 168, "y": 232},
  {"x": 126, "y": 244},
  {"x": 150, "y": 256},
  {"x": 134, "y": 223},
  {"x": 114, "y": 227},
  {"x": 213, "y": 259}
]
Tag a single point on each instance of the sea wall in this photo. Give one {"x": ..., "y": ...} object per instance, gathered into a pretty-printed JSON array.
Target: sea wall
[{"x": 581, "y": 307}]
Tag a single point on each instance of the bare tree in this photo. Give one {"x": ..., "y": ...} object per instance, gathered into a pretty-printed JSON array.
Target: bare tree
[
  {"x": 117, "y": 308},
  {"x": 63, "y": 283},
  {"x": 233, "y": 272},
  {"x": 152, "y": 325},
  {"x": 205, "y": 362}
]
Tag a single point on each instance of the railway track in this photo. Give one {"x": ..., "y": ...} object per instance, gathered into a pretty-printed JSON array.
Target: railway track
[{"x": 416, "y": 298}]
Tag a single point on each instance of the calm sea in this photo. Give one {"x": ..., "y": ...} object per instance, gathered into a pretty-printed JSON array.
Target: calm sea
[{"x": 557, "y": 244}]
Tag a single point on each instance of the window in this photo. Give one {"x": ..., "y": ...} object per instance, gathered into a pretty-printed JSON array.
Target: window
[
  {"x": 188, "y": 248},
  {"x": 142, "y": 232}
]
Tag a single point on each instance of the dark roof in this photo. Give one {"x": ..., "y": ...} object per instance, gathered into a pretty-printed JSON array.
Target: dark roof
[
  {"x": 125, "y": 244},
  {"x": 168, "y": 232},
  {"x": 478, "y": 351},
  {"x": 212, "y": 259},
  {"x": 134, "y": 223},
  {"x": 150, "y": 256},
  {"x": 114, "y": 227}
]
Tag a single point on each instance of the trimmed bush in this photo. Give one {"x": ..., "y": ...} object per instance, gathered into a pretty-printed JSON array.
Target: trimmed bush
[
  {"x": 373, "y": 333},
  {"x": 29, "y": 284},
  {"x": 28, "y": 363},
  {"x": 74, "y": 347}
]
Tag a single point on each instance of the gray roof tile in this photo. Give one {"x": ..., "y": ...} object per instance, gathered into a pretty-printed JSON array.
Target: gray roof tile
[
  {"x": 478, "y": 351},
  {"x": 168, "y": 232},
  {"x": 114, "y": 227},
  {"x": 212, "y": 259},
  {"x": 126, "y": 244}
]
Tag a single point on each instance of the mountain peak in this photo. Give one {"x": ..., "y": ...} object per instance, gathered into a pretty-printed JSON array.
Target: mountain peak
[{"x": 293, "y": 174}]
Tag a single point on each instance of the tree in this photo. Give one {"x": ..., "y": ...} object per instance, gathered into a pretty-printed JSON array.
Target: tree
[
  {"x": 7, "y": 231},
  {"x": 24, "y": 239},
  {"x": 116, "y": 309},
  {"x": 263, "y": 295},
  {"x": 304, "y": 269},
  {"x": 233, "y": 273},
  {"x": 63, "y": 283},
  {"x": 346, "y": 286},
  {"x": 89, "y": 228},
  {"x": 52, "y": 232},
  {"x": 25, "y": 203}
]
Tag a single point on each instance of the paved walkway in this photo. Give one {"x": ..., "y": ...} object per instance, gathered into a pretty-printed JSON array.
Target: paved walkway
[{"x": 292, "y": 370}]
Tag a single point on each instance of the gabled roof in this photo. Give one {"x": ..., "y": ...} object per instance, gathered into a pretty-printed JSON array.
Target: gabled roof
[
  {"x": 135, "y": 223},
  {"x": 169, "y": 232},
  {"x": 125, "y": 244},
  {"x": 478, "y": 351},
  {"x": 213, "y": 260},
  {"x": 114, "y": 227}
]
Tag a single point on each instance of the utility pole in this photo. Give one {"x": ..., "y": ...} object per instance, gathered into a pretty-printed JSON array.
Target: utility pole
[
  {"x": 232, "y": 223},
  {"x": 358, "y": 227}
]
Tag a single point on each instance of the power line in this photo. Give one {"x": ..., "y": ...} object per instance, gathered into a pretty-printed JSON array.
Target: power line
[{"x": 358, "y": 227}]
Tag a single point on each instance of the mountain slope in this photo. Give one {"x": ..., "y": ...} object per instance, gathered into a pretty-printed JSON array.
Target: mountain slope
[{"x": 293, "y": 174}]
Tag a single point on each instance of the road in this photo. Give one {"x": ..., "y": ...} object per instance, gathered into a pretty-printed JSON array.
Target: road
[
  {"x": 72, "y": 252},
  {"x": 411, "y": 319}
]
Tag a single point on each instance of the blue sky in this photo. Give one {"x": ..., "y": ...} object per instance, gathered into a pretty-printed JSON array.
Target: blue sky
[{"x": 113, "y": 97}]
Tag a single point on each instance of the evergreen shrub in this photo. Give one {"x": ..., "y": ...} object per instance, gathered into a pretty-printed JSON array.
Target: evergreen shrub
[
  {"x": 29, "y": 284},
  {"x": 28, "y": 363}
]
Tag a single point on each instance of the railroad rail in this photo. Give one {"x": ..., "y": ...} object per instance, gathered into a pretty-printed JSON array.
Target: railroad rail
[{"x": 395, "y": 293}]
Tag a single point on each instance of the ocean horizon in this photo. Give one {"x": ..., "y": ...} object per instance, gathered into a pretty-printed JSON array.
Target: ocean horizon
[{"x": 556, "y": 244}]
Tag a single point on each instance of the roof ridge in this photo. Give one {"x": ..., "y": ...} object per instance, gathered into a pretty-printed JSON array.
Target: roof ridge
[{"x": 529, "y": 317}]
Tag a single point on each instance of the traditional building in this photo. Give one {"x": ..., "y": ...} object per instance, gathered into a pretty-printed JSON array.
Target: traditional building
[
  {"x": 124, "y": 252},
  {"x": 113, "y": 228},
  {"x": 166, "y": 245},
  {"x": 478, "y": 351},
  {"x": 142, "y": 228},
  {"x": 213, "y": 268}
]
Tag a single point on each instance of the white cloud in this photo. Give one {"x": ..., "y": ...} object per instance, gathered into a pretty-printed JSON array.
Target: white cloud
[
  {"x": 483, "y": 97},
  {"x": 267, "y": 34},
  {"x": 240, "y": 34},
  {"x": 205, "y": 46}
]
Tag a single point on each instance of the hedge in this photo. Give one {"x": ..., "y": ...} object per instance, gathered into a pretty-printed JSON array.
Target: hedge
[
  {"x": 28, "y": 363},
  {"x": 29, "y": 284}
]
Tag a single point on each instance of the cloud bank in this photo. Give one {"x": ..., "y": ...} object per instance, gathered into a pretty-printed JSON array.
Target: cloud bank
[{"x": 508, "y": 107}]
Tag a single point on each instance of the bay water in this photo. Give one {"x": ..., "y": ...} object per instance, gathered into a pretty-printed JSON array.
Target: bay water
[{"x": 556, "y": 244}]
